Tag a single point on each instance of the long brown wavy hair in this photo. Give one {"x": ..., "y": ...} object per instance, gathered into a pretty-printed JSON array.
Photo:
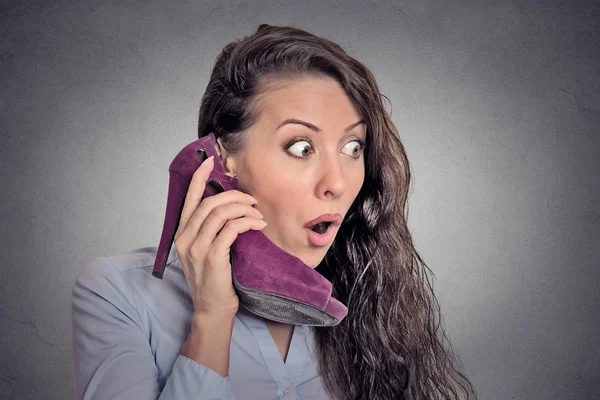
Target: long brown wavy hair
[{"x": 390, "y": 345}]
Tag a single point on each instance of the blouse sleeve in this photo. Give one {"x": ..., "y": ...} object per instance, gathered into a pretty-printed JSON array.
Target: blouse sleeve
[{"x": 111, "y": 351}]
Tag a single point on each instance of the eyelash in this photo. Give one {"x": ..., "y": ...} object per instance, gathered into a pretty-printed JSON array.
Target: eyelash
[{"x": 361, "y": 142}]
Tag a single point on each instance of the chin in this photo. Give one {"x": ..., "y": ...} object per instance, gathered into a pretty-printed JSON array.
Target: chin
[{"x": 314, "y": 263}]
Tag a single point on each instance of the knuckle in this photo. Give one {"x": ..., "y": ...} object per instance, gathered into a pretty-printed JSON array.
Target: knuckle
[
  {"x": 219, "y": 211},
  {"x": 208, "y": 201},
  {"x": 194, "y": 254},
  {"x": 232, "y": 224},
  {"x": 212, "y": 256},
  {"x": 211, "y": 253},
  {"x": 179, "y": 243}
]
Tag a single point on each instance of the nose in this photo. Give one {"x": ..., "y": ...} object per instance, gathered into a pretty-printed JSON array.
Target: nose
[{"x": 332, "y": 182}]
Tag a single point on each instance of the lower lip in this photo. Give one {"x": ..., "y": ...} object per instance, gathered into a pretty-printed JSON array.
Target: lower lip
[{"x": 321, "y": 239}]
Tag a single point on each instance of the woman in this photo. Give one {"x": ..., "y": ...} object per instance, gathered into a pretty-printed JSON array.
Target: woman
[{"x": 303, "y": 126}]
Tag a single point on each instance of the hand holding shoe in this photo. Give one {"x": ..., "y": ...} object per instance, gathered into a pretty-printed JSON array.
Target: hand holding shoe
[{"x": 206, "y": 231}]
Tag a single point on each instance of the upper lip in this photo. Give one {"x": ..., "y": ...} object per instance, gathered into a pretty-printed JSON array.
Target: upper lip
[{"x": 335, "y": 219}]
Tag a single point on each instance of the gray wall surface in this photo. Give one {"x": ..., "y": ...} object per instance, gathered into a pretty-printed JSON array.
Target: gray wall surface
[{"x": 497, "y": 102}]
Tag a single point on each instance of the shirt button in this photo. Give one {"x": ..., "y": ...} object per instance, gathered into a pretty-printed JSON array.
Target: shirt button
[{"x": 287, "y": 391}]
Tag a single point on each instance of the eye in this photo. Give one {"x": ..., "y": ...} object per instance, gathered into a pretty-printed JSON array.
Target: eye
[
  {"x": 300, "y": 149},
  {"x": 356, "y": 147}
]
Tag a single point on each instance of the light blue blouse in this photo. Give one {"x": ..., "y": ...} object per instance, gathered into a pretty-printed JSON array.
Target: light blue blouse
[{"x": 128, "y": 328}]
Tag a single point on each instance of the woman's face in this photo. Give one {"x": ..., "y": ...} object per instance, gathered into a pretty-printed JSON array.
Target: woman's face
[{"x": 298, "y": 173}]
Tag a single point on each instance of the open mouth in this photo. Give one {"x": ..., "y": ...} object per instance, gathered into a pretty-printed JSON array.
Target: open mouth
[{"x": 321, "y": 227}]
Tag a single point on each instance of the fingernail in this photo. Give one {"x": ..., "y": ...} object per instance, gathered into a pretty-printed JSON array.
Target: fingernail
[
  {"x": 252, "y": 199},
  {"x": 208, "y": 162}
]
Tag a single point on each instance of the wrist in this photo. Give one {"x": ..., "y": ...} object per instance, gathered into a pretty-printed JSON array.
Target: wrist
[
  {"x": 206, "y": 318},
  {"x": 209, "y": 340}
]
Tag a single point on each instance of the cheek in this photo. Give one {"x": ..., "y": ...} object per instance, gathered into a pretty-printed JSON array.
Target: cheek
[
  {"x": 281, "y": 193},
  {"x": 361, "y": 181},
  {"x": 356, "y": 179},
  {"x": 276, "y": 188}
]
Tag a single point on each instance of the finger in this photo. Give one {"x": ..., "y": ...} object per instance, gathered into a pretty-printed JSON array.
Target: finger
[
  {"x": 210, "y": 203},
  {"x": 194, "y": 193},
  {"x": 185, "y": 236},
  {"x": 222, "y": 243},
  {"x": 217, "y": 219}
]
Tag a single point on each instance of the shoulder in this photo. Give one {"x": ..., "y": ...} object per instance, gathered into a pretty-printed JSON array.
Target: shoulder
[
  {"x": 118, "y": 277},
  {"x": 111, "y": 269},
  {"x": 120, "y": 265}
]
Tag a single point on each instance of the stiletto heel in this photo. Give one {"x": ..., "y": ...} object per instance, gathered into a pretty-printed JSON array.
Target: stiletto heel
[
  {"x": 175, "y": 199},
  {"x": 269, "y": 281},
  {"x": 181, "y": 170}
]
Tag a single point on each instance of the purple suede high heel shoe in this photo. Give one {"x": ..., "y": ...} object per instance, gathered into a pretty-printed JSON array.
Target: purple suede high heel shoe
[{"x": 269, "y": 281}]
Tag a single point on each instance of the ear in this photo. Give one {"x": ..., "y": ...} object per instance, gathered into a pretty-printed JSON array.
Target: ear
[{"x": 228, "y": 161}]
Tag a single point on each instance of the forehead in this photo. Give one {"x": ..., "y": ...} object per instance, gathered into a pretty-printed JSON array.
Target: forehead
[{"x": 322, "y": 101}]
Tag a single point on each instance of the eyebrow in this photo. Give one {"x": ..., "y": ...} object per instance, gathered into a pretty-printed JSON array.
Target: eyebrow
[{"x": 313, "y": 127}]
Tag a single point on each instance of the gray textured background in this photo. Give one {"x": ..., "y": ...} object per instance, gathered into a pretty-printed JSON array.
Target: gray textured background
[{"x": 497, "y": 102}]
